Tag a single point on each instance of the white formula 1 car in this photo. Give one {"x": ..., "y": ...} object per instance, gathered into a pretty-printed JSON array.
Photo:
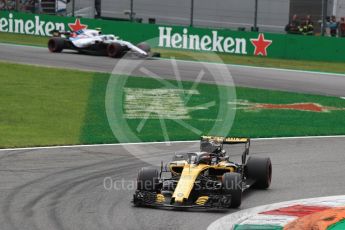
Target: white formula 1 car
[{"x": 94, "y": 42}]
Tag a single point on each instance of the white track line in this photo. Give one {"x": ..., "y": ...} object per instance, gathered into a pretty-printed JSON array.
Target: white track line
[
  {"x": 22, "y": 45},
  {"x": 259, "y": 67},
  {"x": 95, "y": 145},
  {"x": 300, "y": 137},
  {"x": 172, "y": 142}
]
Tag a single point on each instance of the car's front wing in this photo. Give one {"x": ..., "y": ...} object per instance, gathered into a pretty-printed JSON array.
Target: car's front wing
[{"x": 154, "y": 199}]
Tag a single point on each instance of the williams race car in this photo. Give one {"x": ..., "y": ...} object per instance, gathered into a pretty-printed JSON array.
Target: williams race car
[
  {"x": 94, "y": 42},
  {"x": 205, "y": 179}
]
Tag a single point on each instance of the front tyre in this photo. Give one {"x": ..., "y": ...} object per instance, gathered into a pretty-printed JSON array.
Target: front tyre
[
  {"x": 232, "y": 185},
  {"x": 145, "y": 47},
  {"x": 148, "y": 180},
  {"x": 260, "y": 170}
]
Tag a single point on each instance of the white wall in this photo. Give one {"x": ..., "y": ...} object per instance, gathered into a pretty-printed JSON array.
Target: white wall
[
  {"x": 337, "y": 8},
  {"x": 340, "y": 8},
  {"x": 273, "y": 15},
  {"x": 83, "y": 8}
]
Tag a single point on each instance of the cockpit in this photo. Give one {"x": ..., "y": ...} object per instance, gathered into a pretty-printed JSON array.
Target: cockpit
[
  {"x": 212, "y": 147},
  {"x": 196, "y": 158}
]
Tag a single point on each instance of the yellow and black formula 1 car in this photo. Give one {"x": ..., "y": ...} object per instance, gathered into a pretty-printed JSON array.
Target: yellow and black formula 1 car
[{"x": 205, "y": 179}]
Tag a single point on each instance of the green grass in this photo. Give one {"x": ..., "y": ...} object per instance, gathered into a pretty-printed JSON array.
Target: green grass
[
  {"x": 282, "y": 123},
  {"x": 332, "y": 67},
  {"x": 41, "y": 106},
  {"x": 264, "y": 123},
  {"x": 22, "y": 39},
  {"x": 46, "y": 106}
]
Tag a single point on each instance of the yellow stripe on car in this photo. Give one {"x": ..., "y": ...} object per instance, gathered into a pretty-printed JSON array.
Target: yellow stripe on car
[
  {"x": 160, "y": 198},
  {"x": 186, "y": 182},
  {"x": 201, "y": 200}
]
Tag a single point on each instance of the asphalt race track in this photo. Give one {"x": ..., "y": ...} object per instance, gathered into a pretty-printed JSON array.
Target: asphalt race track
[
  {"x": 294, "y": 81},
  {"x": 62, "y": 188}
]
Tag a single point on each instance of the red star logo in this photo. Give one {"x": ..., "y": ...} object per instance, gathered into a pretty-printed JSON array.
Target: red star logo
[
  {"x": 77, "y": 25},
  {"x": 261, "y": 45}
]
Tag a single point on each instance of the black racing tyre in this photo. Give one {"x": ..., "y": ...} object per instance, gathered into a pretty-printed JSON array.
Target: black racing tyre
[
  {"x": 144, "y": 46},
  {"x": 156, "y": 54},
  {"x": 56, "y": 44},
  {"x": 148, "y": 179},
  {"x": 232, "y": 185},
  {"x": 115, "y": 50},
  {"x": 260, "y": 170}
]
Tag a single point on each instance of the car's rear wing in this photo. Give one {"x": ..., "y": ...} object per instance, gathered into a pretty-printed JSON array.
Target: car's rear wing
[
  {"x": 57, "y": 33},
  {"x": 226, "y": 140},
  {"x": 231, "y": 141}
]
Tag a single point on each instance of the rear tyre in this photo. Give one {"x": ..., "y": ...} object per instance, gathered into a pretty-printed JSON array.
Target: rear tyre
[
  {"x": 232, "y": 185},
  {"x": 260, "y": 170},
  {"x": 115, "y": 50},
  {"x": 156, "y": 54},
  {"x": 56, "y": 44},
  {"x": 144, "y": 46},
  {"x": 148, "y": 179}
]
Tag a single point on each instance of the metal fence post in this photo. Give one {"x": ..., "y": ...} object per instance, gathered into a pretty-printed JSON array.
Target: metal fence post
[
  {"x": 323, "y": 15},
  {"x": 131, "y": 9},
  {"x": 256, "y": 16},
  {"x": 191, "y": 13},
  {"x": 73, "y": 7}
]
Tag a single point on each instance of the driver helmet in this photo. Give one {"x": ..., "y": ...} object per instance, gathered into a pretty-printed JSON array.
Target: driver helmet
[
  {"x": 99, "y": 29},
  {"x": 210, "y": 146}
]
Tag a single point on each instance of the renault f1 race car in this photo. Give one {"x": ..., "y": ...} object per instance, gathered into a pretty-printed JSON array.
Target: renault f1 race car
[
  {"x": 205, "y": 179},
  {"x": 94, "y": 42}
]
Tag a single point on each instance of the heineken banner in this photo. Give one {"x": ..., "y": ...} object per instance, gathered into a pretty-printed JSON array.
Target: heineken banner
[{"x": 186, "y": 38}]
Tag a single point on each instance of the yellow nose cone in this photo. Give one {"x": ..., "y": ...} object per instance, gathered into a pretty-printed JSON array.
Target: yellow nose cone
[{"x": 186, "y": 182}]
